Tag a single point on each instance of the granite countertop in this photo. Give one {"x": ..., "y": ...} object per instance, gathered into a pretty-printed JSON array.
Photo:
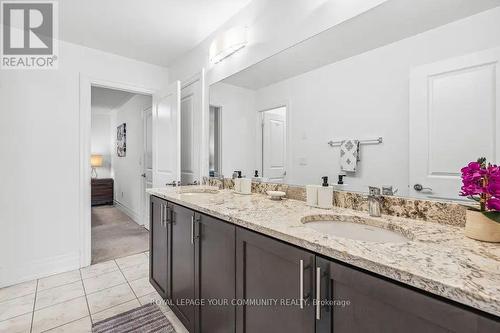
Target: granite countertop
[{"x": 437, "y": 258}]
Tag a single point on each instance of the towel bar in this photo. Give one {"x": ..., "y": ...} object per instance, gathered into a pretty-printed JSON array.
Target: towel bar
[{"x": 364, "y": 142}]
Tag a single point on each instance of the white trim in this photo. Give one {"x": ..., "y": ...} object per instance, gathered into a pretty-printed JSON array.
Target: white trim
[
  {"x": 145, "y": 206},
  {"x": 27, "y": 271},
  {"x": 84, "y": 209},
  {"x": 135, "y": 216}
]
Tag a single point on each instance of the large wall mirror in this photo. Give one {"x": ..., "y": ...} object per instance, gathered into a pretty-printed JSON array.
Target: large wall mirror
[{"x": 408, "y": 114}]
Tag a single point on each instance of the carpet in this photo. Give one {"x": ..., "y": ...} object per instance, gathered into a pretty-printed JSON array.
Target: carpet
[
  {"x": 115, "y": 235},
  {"x": 145, "y": 319}
]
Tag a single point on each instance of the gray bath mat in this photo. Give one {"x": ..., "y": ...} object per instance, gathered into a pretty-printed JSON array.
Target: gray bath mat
[{"x": 146, "y": 319}]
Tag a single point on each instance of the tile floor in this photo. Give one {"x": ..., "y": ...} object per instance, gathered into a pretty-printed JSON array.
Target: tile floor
[{"x": 72, "y": 301}]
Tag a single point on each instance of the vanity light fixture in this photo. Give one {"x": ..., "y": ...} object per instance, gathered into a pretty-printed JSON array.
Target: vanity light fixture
[{"x": 227, "y": 43}]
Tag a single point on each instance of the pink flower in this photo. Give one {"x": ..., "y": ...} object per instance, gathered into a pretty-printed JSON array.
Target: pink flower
[
  {"x": 493, "y": 189},
  {"x": 493, "y": 204},
  {"x": 472, "y": 176}
]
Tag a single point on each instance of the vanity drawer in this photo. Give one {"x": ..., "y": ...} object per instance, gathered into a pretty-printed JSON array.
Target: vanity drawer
[{"x": 379, "y": 305}]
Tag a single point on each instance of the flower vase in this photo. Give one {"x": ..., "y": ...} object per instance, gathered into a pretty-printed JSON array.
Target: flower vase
[{"x": 480, "y": 227}]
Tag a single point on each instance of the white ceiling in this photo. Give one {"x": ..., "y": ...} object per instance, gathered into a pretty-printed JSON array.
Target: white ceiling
[
  {"x": 154, "y": 31},
  {"x": 105, "y": 100},
  {"x": 391, "y": 21}
]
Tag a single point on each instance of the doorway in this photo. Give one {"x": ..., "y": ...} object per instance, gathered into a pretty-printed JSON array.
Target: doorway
[
  {"x": 273, "y": 149},
  {"x": 214, "y": 141},
  {"x": 121, "y": 160}
]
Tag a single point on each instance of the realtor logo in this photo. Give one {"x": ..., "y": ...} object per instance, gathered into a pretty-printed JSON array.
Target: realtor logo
[{"x": 29, "y": 35}]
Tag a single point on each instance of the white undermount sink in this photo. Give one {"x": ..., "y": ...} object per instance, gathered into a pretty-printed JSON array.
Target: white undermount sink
[{"x": 353, "y": 228}]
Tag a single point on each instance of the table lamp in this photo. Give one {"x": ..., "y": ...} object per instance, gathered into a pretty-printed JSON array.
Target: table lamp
[{"x": 95, "y": 162}]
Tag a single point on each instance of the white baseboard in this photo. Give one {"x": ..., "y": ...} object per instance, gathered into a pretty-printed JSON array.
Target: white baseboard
[
  {"x": 38, "y": 269},
  {"x": 136, "y": 217}
]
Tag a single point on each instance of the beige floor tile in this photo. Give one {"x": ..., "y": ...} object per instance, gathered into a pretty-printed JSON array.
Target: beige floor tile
[
  {"x": 58, "y": 280},
  {"x": 20, "y": 324},
  {"x": 176, "y": 323},
  {"x": 103, "y": 281},
  {"x": 110, "y": 297},
  {"x": 151, "y": 298},
  {"x": 17, "y": 290},
  {"x": 142, "y": 287},
  {"x": 16, "y": 307},
  {"x": 59, "y": 294},
  {"x": 156, "y": 299},
  {"x": 60, "y": 314},
  {"x": 99, "y": 269},
  {"x": 115, "y": 310},
  {"x": 83, "y": 325},
  {"x": 136, "y": 272},
  {"x": 133, "y": 260}
]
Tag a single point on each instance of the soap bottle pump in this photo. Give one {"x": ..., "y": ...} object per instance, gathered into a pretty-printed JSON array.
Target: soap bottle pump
[
  {"x": 325, "y": 194},
  {"x": 325, "y": 181}
]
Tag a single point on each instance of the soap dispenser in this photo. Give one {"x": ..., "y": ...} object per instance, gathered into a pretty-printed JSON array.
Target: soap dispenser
[
  {"x": 237, "y": 182},
  {"x": 325, "y": 194}
]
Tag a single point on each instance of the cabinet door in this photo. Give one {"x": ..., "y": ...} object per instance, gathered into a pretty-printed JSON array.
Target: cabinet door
[
  {"x": 158, "y": 247},
  {"x": 182, "y": 265},
  {"x": 378, "y": 305},
  {"x": 268, "y": 269},
  {"x": 215, "y": 274}
]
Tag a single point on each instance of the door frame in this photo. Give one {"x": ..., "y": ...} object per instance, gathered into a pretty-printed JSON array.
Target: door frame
[
  {"x": 219, "y": 135},
  {"x": 145, "y": 207},
  {"x": 85, "y": 128},
  {"x": 260, "y": 133}
]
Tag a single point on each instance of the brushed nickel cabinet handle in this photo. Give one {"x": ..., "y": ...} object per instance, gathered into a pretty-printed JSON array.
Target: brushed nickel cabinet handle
[
  {"x": 192, "y": 229},
  {"x": 318, "y": 293},
  {"x": 161, "y": 214},
  {"x": 301, "y": 281},
  {"x": 165, "y": 216}
]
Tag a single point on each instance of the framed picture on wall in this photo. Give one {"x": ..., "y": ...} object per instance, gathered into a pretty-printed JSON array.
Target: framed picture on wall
[{"x": 121, "y": 140}]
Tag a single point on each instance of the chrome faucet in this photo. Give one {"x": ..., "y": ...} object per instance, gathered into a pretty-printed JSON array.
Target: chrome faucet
[
  {"x": 174, "y": 183},
  {"x": 374, "y": 201},
  {"x": 389, "y": 190}
]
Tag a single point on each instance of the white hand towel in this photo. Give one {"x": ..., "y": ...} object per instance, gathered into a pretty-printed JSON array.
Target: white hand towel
[{"x": 349, "y": 155}]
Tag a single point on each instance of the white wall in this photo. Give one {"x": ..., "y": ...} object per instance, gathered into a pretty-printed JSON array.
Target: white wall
[
  {"x": 365, "y": 97},
  {"x": 39, "y": 136},
  {"x": 273, "y": 26},
  {"x": 101, "y": 140},
  {"x": 127, "y": 170},
  {"x": 238, "y": 128}
]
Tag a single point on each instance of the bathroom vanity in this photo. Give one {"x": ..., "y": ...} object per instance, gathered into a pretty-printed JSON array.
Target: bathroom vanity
[{"x": 232, "y": 263}]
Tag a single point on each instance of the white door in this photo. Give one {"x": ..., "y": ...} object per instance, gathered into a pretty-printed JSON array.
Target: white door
[
  {"x": 166, "y": 136},
  {"x": 274, "y": 144},
  {"x": 147, "y": 173},
  {"x": 453, "y": 120},
  {"x": 191, "y": 129}
]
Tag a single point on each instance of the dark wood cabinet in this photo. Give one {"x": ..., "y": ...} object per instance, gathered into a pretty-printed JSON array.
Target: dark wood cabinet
[
  {"x": 379, "y": 305},
  {"x": 196, "y": 258},
  {"x": 270, "y": 270},
  {"x": 215, "y": 274},
  {"x": 182, "y": 265},
  {"x": 159, "y": 258},
  {"x": 102, "y": 191}
]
